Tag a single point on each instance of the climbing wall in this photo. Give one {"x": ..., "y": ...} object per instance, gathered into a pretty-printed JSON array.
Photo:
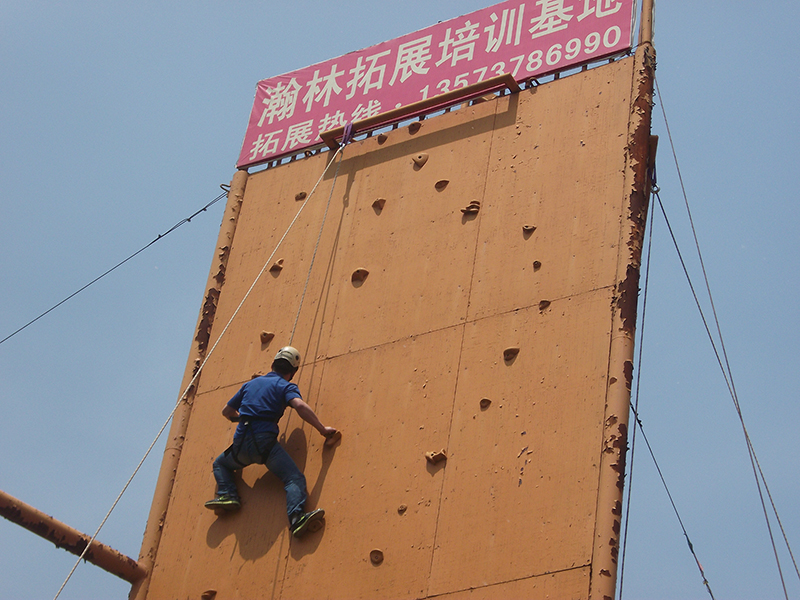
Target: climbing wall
[{"x": 464, "y": 298}]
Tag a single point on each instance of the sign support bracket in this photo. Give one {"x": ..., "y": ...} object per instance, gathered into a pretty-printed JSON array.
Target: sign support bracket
[{"x": 417, "y": 109}]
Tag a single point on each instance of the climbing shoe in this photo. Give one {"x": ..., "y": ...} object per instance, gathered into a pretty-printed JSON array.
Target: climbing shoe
[
  {"x": 310, "y": 521},
  {"x": 224, "y": 502}
]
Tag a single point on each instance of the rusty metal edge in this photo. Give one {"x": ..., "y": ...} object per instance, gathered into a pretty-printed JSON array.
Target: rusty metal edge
[
  {"x": 623, "y": 327},
  {"x": 71, "y": 540}
]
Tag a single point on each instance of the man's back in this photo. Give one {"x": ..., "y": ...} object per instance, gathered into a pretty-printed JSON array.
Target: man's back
[{"x": 264, "y": 399}]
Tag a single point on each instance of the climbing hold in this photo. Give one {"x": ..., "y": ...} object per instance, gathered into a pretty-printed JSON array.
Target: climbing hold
[
  {"x": 376, "y": 557},
  {"x": 208, "y": 595},
  {"x": 401, "y": 509},
  {"x": 435, "y": 457},
  {"x": 420, "y": 160},
  {"x": 543, "y": 304},
  {"x": 300, "y": 196},
  {"x": 359, "y": 275},
  {"x": 485, "y": 403},
  {"x": 414, "y": 127},
  {"x": 472, "y": 209},
  {"x": 537, "y": 265},
  {"x": 441, "y": 184},
  {"x": 333, "y": 439},
  {"x": 266, "y": 337},
  {"x": 382, "y": 138},
  {"x": 509, "y": 354},
  {"x": 528, "y": 229},
  {"x": 276, "y": 267},
  {"x": 379, "y": 204}
]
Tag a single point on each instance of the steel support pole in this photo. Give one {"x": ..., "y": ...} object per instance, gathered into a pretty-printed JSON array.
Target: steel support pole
[
  {"x": 71, "y": 540},
  {"x": 180, "y": 421},
  {"x": 646, "y": 29}
]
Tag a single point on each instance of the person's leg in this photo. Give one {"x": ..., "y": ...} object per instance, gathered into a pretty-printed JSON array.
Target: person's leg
[
  {"x": 294, "y": 482},
  {"x": 224, "y": 466}
]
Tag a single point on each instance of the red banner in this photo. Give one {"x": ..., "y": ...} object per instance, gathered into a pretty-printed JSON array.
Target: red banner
[{"x": 525, "y": 39}]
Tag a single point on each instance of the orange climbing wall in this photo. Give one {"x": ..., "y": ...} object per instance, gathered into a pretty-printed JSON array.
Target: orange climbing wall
[{"x": 401, "y": 361}]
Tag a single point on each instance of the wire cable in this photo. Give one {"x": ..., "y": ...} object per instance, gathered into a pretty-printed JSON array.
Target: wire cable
[
  {"x": 719, "y": 361},
  {"x": 727, "y": 374},
  {"x": 119, "y": 264},
  {"x": 636, "y": 391},
  {"x": 635, "y": 411},
  {"x": 182, "y": 397},
  {"x": 672, "y": 502}
]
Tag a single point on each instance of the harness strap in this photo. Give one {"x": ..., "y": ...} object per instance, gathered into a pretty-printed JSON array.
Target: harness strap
[
  {"x": 233, "y": 453},
  {"x": 235, "y": 447},
  {"x": 247, "y": 418}
]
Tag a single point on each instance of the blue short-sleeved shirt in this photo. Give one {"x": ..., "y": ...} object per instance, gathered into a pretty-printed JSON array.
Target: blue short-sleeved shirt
[{"x": 264, "y": 397}]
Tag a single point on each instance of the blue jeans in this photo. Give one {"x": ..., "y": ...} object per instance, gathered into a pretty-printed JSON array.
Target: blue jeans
[{"x": 253, "y": 449}]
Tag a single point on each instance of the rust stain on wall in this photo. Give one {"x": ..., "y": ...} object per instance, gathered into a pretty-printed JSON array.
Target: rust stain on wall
[{"x": 209, "y": 311}]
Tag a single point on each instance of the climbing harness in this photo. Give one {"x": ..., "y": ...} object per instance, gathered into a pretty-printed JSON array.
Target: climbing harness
[{"x": 236, "y": 447}]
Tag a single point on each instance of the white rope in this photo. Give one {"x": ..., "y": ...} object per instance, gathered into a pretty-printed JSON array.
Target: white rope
[
  {"x": 181, "y": 398},
  {"x": 316, "y": 247}
]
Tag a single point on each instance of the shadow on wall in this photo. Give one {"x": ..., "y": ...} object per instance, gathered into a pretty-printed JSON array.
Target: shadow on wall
[
  {"x": 311, "y": 542},
  {"x": 262, "y": 520}
]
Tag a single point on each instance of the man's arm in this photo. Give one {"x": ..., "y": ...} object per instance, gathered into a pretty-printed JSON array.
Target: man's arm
[
  {"x": 231, "y": 409},
  {"x": 230, "y": 413},
  {"x": 310, "y": 417}
]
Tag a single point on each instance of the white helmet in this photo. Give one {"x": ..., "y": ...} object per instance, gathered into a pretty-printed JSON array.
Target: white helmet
[{"x": 290, "y": 355}]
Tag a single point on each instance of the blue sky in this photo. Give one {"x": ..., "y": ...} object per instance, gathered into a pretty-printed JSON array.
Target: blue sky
[{"x": 120, "y": 119}]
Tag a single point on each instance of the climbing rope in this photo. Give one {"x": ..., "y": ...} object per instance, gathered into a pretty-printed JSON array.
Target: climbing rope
[
  {"x": 182, "y": 397},
  {"x": 319, "y": 237}
]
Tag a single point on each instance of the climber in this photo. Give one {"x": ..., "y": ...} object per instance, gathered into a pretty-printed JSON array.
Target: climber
[{"x": 257, "y": 407}]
